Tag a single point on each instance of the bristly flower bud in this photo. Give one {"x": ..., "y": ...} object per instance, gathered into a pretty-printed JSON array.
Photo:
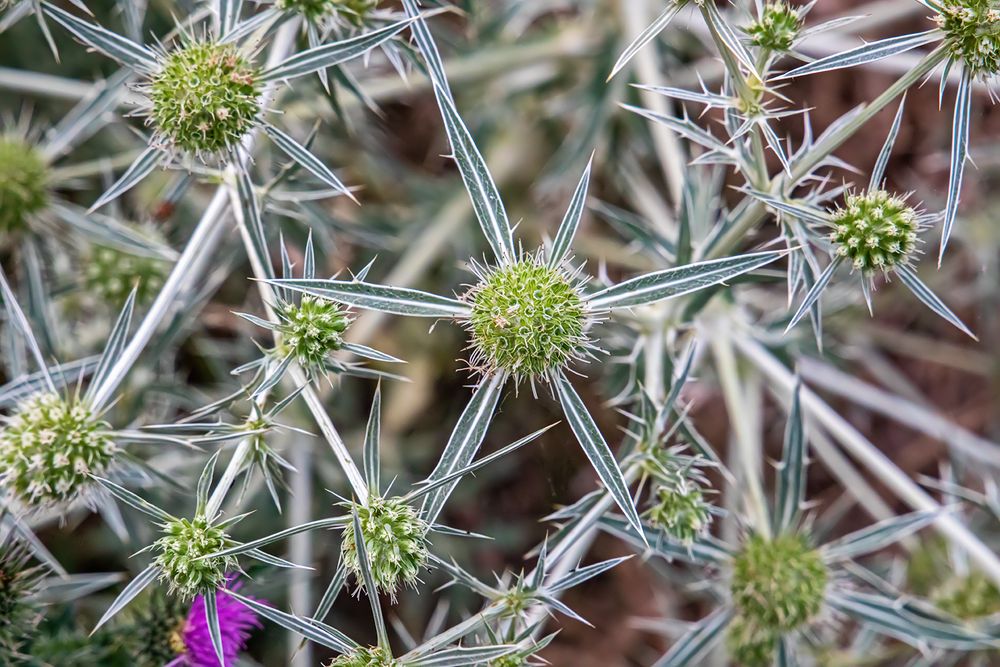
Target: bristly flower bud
[
  {"x": 355, "y": 11},
  {"x": 180, "y": 557},
  {"x": 778, "y": 584},
  {"x": 365, "y": 656},
  {"x": 395, "y": 541},
  {"x": 23, "y": 183},
  {"x": 311, "y": 330},
  {"x": 681, "y": 511},
  {"x": 205, "y": 98},
  {"x": 112, "y": 273},
  {"x": 750, "y": 646},
  {"x": 969, "y": 598},
  {"x": 972, "y": 33},
  {"x": 49, "y": 448},
  {"x": 875, "y": 231},
  {"x": 527, "y": 319},
  {"x": 777, "y": 27}
]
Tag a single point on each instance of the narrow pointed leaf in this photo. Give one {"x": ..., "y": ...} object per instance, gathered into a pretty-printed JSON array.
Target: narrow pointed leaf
[
  {"x": 136, "y": 586},
  {"x": 878, "y": 536},
  {"x": 131, "y": 499},
  {"x": 214, "y": 629},
  {"x": 582, "y": 574},
  {"x": 369, "y": 580},
  {"x": 814, "y": 293},
  {"x": 250, "y": 217},
  {"x": 373, "y": 435},
  {"x": 334, "y": 522},
  {"x": 959, "y": 154},
  {"x": 301, "y": 155},
  {"x": 571, "y": 221},
  {"x": 228, "y": 12},
  {"x": 866, "y": 53},
  {"x": 138, "y": 170},
  {"x": 110, "y": 44},
  {"x": 395, "y": 300},
  {"x": 699, "y": 640},
  {"x": 930, "y": 299},
  {"x": 646, "y": 36},
  {"x": 371, "y": 353},
  {"x": 205, "y": 484},
  {"x": 463, "y": 656},
  {"x": 791, "y": 488},
  {"x": 311, "y": 629},
  {"x": 878, "y": 172}
]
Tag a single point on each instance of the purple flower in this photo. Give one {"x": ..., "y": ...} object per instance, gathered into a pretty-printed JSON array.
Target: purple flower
[{"x": 236, "y": 622}]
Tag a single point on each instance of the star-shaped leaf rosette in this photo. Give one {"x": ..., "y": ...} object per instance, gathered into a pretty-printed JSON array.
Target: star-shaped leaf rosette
[
  {"x": 529, "y": 315},
  {"x": 203, "y": 95}
]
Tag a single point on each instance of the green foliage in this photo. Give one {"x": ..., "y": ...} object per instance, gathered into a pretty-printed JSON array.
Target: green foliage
[
  {"x": 750, "y": 645},
  {"x": 180, "y": 556},
  {"x": 395, "y": 540},
  {"x": 527, "y": 319},
  {"x": 205, "y": 98},
  {"x": 972, "y": 32},
  {"x": 19, "y": 613},
  {"x": 875, "y": 231},
  {"x": 49, "y": 448},
  {"x": 23, "y": 183}
]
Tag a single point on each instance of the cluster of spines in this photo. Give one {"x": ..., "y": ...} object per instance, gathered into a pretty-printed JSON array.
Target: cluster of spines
[
  {"x": 777, "y": 27},
  {"x": 875, "y": 230},
  {"x": 365, "y": 656},
  {"x": 355, "y": 11},
  {"x": 395, "y": 540}
]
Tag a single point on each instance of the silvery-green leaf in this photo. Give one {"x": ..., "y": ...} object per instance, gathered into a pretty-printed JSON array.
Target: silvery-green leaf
[
  {"x": 302, "y": 156},
  {"x": 785, "y": 654},
  {"x": 86, "y": 117},
  {"x": 706, "y": 551},
  {"x": 62, "y": 375},
  {"x": 309, "y": 628},
  {"x": 270, "y": 559},
  {"x": 106, "y": 230},
  {"x": 730, "y": 41},
  {"x": 369, "y": 580},
  {"x": 204, "y": 485},
  {"x": 698, "y": 641},
  {"x": 214, "y": 629},
  {"x": 596, "y": 448},
  {"x": 333, "y": 522},
  {"x": 462, "y": 656},
  {"x": 812, "y": 296},
  {"x": 582, "y": 574},
  {"x": 131, "y": 499},
  {"x": 16, "y": 316},
  {"x": 670, "y": 283},
  {"x": 866, "y": 53},
  {"x": 931, "y": 300},
  {"x": 647, "y": 35},
  {"x": 464, "y": 441},
  {"x": 878, "y": 536},
  {"x": 571, "y": 221},
  {"x": 959, "y": 154},
  {"x": 117, "y": 340},
  {"x": 373, "y": 435},
  {"x": 334, "y": 53},
  {"x": 272, "y": 376},
  {"x": 395, "y": 300},
  {"x": 478, "y": 182},
  {"x": 250, "y": 218},
  {"x": 331, "y": 592},
  {"x": 683, "y": 126},
  {"x": 254, "y": 25},
  {"x": 790, "y": 492},
  {"x": 795, "y": 209},
  {"x": 370, "y": 353},
  {"x": 136, "y": 586},
  {"x": 422, "y": 36},
  {"x": 110, "y": 44},
  {"x": 143, "y": 165},
  {"x": 228, "y": 15},
  {"x": 878, "y": 171}
]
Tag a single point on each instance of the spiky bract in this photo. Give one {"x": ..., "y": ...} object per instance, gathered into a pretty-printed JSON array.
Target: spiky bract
[
  {"x": 49, "y": 448},
  {"x": 23, "y": 183},
  {"x": 311, "y": 329},
  {"x": 777, "y": 27},
  {"x": 395, "y": 540},
  {"x": 778, "y": 584},
  {"x": 875, "y": 231},
  {"x": 180, "y": 557},
  {"x": 365, "y": 656},
  {"x": 157, "y": 631},
  {"x": 205, "y": 97},
  {"x": 527, "y": 319},
  {"x": 972, "y": 33}
]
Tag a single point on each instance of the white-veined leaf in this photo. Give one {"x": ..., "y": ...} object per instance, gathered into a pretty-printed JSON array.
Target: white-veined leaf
[
  {"x": 814, "y": 293},
  {"x": 930, "y": 299},
  {"x": 309, "y": 628},
  {"x": 131, "y": 499},
  {"x": 877, "y": 536},
  {"x": 866, "y": 53},
  {"x": 791, "y": 487},
  {"x": 582, "y": 574},
  {"x": 117, "y": 340},
  {"x": 371, "y": 353},
  {"x": 698, "y": 641},
  {"x": 228, "y": 14},
  {"x": 333, "y": 522},
  {"x": 143, "y": 165},
  {"x": 214, "y": 629},
  {"x": 463, "y": 656},
  {"x": 115, "y": 46},
  {"x": 959, "y": 154},
  {"x": 878, "y": 172},
  {"x": 571, "y": 221},
  {"x": 395, "y": 300},
  {"x": 310, "y": 162},
  {"x": 646, "y": 36},
  {"x": 373, "y": 435},
  {"x": 136, "y": 586},
  {"x": 369, "y": 580}
]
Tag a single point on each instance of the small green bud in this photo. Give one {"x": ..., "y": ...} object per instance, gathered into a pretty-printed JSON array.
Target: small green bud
[
  {"x": 49, "y": 448},
  {"x": 205, "y": 98},
  {"x": 112, "y": 273},
  {"x": 875, "y": 231},
  {"x": 355, "y": 11},
  {"x": 972, "y": 34},
  {"x": 179, "y": 557},
  {"x": 311, "y": 330},
  {"x": 970, "y": 597},
  {"x": 778, "y": 584},
  {"x": 681, "y": 511},
  {"x": 370, "y": 656},
  {"x": 777, "y": 27},
  {"x": 395, "y": 540},
  {"x": 750, "y": 646},
  {"x": 23, "y": 183},
  {"x": 527, "y": 319}
]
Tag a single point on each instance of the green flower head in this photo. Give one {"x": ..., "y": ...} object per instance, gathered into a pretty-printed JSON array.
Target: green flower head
[
  {"x": 205, "y": 98},
  {"x": 395, "y": 540},
  {"x": 681, "y": 511},
  {"x": 969, "y": 598},
  {"x": 972, "y": 33},
  {"x": 112, "y": 273},
  {"x": 777, "y": 27},
  {"x": 180, "y": 553},
  {"x": 528, "y": 319},
  {"x": 311, "y": 330},
  {"x": 875, "y": 231},
  {"x": 49, "y": 448},
  {"x": 750, "y": 646},
  {"x": 778, "y": 584},
  {"x": 23, "y": 183},
  {"x": 365, "y": 656}
]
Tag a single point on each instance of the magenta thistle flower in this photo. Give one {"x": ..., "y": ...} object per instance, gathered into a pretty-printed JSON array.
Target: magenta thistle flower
[{"x": 236, "y": 622}]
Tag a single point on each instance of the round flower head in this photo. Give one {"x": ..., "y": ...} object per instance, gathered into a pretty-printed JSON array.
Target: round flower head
[
  {"x": 23, "y": 183},
  {"x": 875, "y": 231},
  {"x": 205, "y": 98},
  {"x": 528, "y": 319},
  {"x": 49, "y": 448},
  {"x": 180, "y": 557},
  {"x": 354, "y": 11},
  {"x": 972, "y": 33},
  {"x": 681, "y": 511},
  {"x": 777, "y": 27},
  {"x": 311, "y": 329},
  {"x": 395, "y": 541},
  {"x": 750, "y": 646},
  {"x": 236, "y": 622},
  {"x": 365, "y": 656},
  {"x": 971, "y": 597},
  {"x": 778, "y": 584},
  {"x": 112, "y": 273}
]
